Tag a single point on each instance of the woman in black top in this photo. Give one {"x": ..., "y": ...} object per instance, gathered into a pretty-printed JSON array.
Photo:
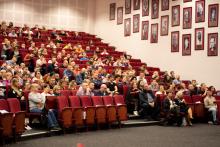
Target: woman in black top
[{"x": 15, "y": 92}]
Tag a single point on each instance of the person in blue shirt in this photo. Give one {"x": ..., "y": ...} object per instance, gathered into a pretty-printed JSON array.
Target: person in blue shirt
[{"x": 68, "y": 72}]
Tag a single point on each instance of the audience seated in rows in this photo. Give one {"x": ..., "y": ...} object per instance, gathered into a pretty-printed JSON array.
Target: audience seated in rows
[{"x": 65, "y": 59}]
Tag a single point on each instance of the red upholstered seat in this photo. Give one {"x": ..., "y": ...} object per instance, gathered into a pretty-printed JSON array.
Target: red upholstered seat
[
  {"x": 100, "y": 109},
  {"x": 4, "y": 105},
  {"x": 65, "y": 93},
  {"x": 89, "y": 108},
  {"x": 51, "y": 102},
  {"x": 64, "y": 112},
  {"x": 111, "y": 108},
  {"x": 78, "y": 111},
  {"x": 6, "y": 125},
  {"x": 198, "y": 106},
  {"x": 121, "y": 107},
  {"x": 19, "y": 116}
]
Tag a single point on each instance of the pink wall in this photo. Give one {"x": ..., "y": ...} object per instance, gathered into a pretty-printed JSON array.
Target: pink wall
[{"x": 197, "y": 66}]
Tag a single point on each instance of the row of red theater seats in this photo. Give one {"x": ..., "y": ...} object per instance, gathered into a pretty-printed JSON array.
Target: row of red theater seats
[
  {"x": 82, "y": 40},
  {"x": 196, "y": 103},
  {"x": 74, "y": 111},
  {"x": 12, "y": 124}
]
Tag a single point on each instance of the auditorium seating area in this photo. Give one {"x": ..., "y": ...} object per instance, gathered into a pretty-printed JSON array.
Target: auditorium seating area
[{"x": 74, "y": 111}]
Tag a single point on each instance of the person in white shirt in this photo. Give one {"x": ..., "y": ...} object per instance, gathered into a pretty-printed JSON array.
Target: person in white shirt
[
  {"x": 36, "y": 105},
  {"x": 12, "y": 34},
  {"x": 211, "y": 106},
  {"x": 142, "y": 77},
  {"x": 104, "y": 52}
]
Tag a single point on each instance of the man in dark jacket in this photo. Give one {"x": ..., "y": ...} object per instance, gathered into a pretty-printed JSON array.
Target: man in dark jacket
[
  {"x": 148, "y": 107},
  {"x": 103, "y": 91}
]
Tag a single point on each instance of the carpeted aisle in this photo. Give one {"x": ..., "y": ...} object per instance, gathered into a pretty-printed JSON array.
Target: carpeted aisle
[{"x": 200, "y": 135}]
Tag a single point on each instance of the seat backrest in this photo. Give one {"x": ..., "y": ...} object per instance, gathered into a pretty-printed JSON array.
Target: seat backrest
[
  {"x": 6, "y": 121},
  {"x": 66, "y": 93},
  {"x": 197, "y": 98},
  {"x": 74, "y": 101},
  {"x": 108, "y": 100},
  {"x": 86, "y": 101},
  {"x": 14, "y": 105},
  {"x": 51, "y": 102},
  {"x": 97, "y": 101},
  {"x": 119, "y": 100},
  {"x": 125, "y": 90},
  {"x": 187, "y": 98},
  {"x": 62, "y": 102},
  {"x": 73, "y": 92},
  {"x": 217, "y": 98},
  {"x": 26, "y": 93},
  {"x": 4, "y": 105}
]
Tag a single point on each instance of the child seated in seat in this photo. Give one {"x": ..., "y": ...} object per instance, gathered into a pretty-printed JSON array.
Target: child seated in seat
[{"x": 36, "y": 105}]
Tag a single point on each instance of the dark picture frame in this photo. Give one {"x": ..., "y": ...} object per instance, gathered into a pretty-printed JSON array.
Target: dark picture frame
[
  {"x": 187, "y": 1},
  {"x": 136, "y": 4},
  {"x": 199, "y": 38},
  {"x": 127, "y": 6},
  {"x": 212, "y": 44},
  {"x": 186, "y": 45},
  {"x": 144, "y": 30},
  {"x": 155, "y": 9},
  {"x": 164, "y": 25},
  {"x": 213, "y": 15},
  {"x": 120, "y": 15},
  {"x": 145, "y": 7},
  {"x": 136, "y": 23},
  {"x": 127, "y": 27},
  {"x": 112, "y": 9},
  {"x": 187, "y": 18},
  {"x": 175, "y": 15},
  {"x": 200, "y": 11},
  {"x": 175, "y": 41},
  {"x": 165, "y": 4},
  {"x": 154, "y": 33}
]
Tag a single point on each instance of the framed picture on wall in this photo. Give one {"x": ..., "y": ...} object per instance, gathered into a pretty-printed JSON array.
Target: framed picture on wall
[
  {"x": 175, "y": 41},
  {"x": 186, "y": 44},
  {"x": 127, "y": 6},
  {"x": 144, "y": 30},
  {"x": 112, "y": 11},
  {"x": 175, "y": 15},
  {"x": 164, "y": 25},
  {"x": 187, "y": 18},
  {"x": 155, "y": 9},
  {"x": 200, "y": 11},
  {"x": 136, "y": 4},
  {"x": 154, "y": 33},
  {"x": 136, "y": 23},
  {"x": 213, "y": 15},
  {"x": 120, "y": 15},
  {"x": 187, "y": 1},
  {"x": 199, "y": 39},
  {"x": 213, "y": 44},
  {"x": 164, "y": 5},
  {"x": 127, "y": 27},
  {"x": 145, "y": 7}
]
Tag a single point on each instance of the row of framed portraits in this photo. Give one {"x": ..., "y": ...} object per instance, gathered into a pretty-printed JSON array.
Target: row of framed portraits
[
  {"x": 213, "y": 15},
  {"x": 145, "y": 27},
  {"x": 212, "y": 42}
]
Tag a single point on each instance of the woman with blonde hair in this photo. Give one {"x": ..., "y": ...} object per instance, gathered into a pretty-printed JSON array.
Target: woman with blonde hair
[{"x": 183, "y": 109}]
